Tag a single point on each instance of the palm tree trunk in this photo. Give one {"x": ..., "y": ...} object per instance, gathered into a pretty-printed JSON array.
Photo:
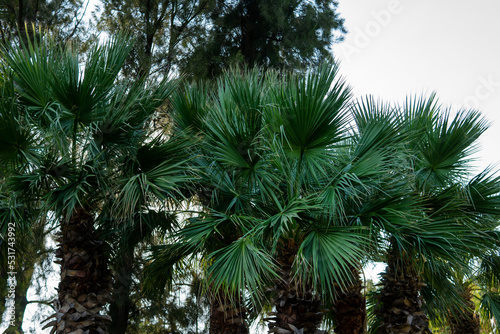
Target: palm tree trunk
[
  {"x": 298, "y": 308},
  {"x": 85, "y": 284},
  {"x": 400, "y": 300},
  {"x": 466, "y": 322},
  {"x": 350, "y": 307},
  {"x": 226, "y": 317}
]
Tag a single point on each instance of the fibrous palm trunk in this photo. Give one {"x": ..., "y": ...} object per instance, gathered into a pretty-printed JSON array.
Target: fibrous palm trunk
[
  {"x": 400, "y": 300},
  {"x": 466, "y": 322},
  {"x": 85, "y": 284},
  {"x": 298, "y": 308},
  {"x": 350, "y": 307},
  {"x": 227, "y": 316}
]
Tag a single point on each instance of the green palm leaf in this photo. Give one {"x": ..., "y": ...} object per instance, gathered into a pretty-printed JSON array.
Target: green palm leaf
[
  {"x": 327, "y": 257},
  {"x": 243, "y": 265}
]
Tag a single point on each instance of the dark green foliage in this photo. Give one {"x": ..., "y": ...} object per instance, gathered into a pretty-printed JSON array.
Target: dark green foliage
[
  {"x": 203, "y": 37},
  {"x": 284, "y": 34},
  {"x": 20, "y": 19}
]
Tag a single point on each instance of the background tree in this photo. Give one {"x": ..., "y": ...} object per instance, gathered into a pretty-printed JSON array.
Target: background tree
[
  {"x": 63, "y": 17},
  {"x": 284, "y": 34},
  {"x": 183, "y": 309},
  {"x": 162, "y": 30}
]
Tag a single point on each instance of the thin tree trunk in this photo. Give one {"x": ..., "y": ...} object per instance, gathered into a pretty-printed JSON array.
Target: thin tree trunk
[
  {"x": 85, "y": 284},
  {"x": 298, "y": 309},
  {"x": 400, "y": 300},
  {"x": 226, "y": 317},
  {"x": 121, "y": 305},
  {"x": 466, "y": 322},
  {"x": 350, "y": 307}
]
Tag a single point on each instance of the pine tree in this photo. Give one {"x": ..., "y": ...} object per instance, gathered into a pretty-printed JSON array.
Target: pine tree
[{"x": 285, "y": 34}]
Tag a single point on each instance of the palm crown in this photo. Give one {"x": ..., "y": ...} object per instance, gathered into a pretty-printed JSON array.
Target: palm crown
[
  {"x": 80, "y": 150},
  {"x": 284, "y": 184}
]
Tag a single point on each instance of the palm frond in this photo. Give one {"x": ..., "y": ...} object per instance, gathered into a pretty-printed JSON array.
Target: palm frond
[
  {"x": 32, "y": 65},
  {"x": 159, "y": 273},
  {"x": 312, "y": 109},
  {"x": 243, "y": 265},
  {"x": 447, "y": 148},
  {"x": 190, "y": 105},
  {"x": 489, "y": 271},
  {"x": 326, "y": 257},
  {"x": 154, "y": 175},
  {"x": 490, "y": 308},
  {"x": 483, "y": 193}
]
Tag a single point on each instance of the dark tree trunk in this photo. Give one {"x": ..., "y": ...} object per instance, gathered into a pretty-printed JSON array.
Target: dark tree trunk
[
  {"x": 350, "y": 307},
  {"x": 466, "y": 322},
  {"x": 119, "y": 309},
  {"x": 26, "y": 19},
  {"x": 298, "y": 308},
  {"x": 400, "y": 300},
  {"x": 226, "y": 317},
  {"x": 85, "y": 284}
]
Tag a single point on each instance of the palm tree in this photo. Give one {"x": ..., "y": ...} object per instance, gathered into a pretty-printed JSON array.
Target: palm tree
[
  {"x": 226, "y": 127},
  {"x": 442, "y": 228},
  {"x": 483, "y": 197},
  {"x": 281, "y": 173},
  {"x": 476, "y": 292},
  {"x": 474, "y": 287},
  {"x": 28, "y": 241},
  {"x": 82, "y": 149},
  {"x": 386, "y": 201}
]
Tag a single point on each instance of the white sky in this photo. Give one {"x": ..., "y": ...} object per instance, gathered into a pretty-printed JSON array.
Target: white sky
[{"x": 399, "y": 47}]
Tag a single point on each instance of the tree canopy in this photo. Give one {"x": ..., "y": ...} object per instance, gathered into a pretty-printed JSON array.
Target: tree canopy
[
  {"x": 202, "y": 38},
  {"x": 284, "y": 34},
  {"x": 62, "y": 16}
]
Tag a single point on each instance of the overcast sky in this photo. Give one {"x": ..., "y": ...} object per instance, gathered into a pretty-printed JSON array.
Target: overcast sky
[{"x": 399, "y": 47}]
